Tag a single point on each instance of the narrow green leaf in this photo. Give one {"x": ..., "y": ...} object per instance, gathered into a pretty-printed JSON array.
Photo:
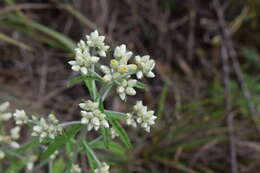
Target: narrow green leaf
[
  {"x": 91, "y": 85},
  {"x": 92, "y": 158},
  {"x": 81, "y": 78},
  {"x": 16, "y": 166},
  {"x": 162, "y": 100},
  {"x": 58, "y": 166},
  {"x": 141, "y": 85},
  {"x": 113, "y": 146},
  {"x": 30, "y": 145},
  {"x": 105, "y": 136},
  {"x": 122, "y": 133},
  {"x": 115, "y": 115},
  {"x": 60, "y": 140},
  {"x": 66, "y": 41},
  {"x": 14, "y": 42}
]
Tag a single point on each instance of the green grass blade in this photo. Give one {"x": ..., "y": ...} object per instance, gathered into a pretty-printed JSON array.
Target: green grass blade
[{"x": 15, "y": 42}]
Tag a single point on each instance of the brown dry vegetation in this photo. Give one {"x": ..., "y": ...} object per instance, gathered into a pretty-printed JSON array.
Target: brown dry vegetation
[{"x": 206, "y": 92}]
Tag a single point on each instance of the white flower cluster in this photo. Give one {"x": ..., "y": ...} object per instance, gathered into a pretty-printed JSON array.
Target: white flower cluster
[
  {"x": 92, "y": 116},
  {"x": 9, "y": 140},
  {"x": 145, "y": 66},
  {"x": 48, "y": 128},
  {"x": 20, "y": 117},
  {"x": 141, "y": 116},
  {"x": 103, "y": 169},
  {"x": 126, "y": 88},
  {"x": 118, "y": 66},
  {"x": 88, "y": 53},
  {"x": 76, "y": 169}
]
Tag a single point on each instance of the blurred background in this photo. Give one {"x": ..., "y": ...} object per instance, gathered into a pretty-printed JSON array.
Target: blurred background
[{"x": 207, "y": 87}]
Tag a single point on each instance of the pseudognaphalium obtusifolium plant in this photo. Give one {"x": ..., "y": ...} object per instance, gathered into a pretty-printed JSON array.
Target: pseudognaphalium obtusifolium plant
[{"x": 54, "y": 141}]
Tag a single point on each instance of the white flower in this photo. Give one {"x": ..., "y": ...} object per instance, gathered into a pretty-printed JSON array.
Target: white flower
[
  {"x": 103, "y": 169},
  {"x": 121, "y": 53},
  {"x": 92, "y": 116},
  {"x": 4, "y": 106},
  {"x": 126, "y": 88},
  {"x": 130, "y": 120},
  {"x": 4, "y": 116},
  {"x": 14, "y": 144},
  {"x": 145, "y": 66},
  {"x": 48, "y": 128},
  {"x": 54, "y": 155},
  {"x": 76, "y": 169},
  {"x": 144, "y": 117},
  {"x": 89, "y": 105},
  {"x": 96, "y": 41},
  {"x": 30, "y": 163},
  {"x": 140, "y": 115},
  {"x": 20, "y": 117},
  {"x": 83, "y": 60},
  {"x": 15, "y": 132},
  {"x": 113, "y": 133},
  {"x": 2, "y": 155}
]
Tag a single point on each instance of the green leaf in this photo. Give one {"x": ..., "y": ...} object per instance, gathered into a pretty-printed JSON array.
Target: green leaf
[
  {"x": 60, "y": 141},
  {"x": 105, "y": 136},
  {"x": 92, "y": 158},
  {"x": 82, "y": 78},
  {"x": 141, "y": 85},
  {"x": 91, "y": 85},
  {"x": 113, "y": 146},
  {"x": 14, "y": 42},
  {"x": 30, "y": 145},
  {"x": 122, "y": 133},
  {"x": 16, "y": 166},
  {"x": 116, "y": 115},
  {"x": 58, "y": 166},
  {"x": 63, "y": 39}
]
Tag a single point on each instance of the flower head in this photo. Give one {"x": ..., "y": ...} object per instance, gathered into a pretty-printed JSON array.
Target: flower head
[
  {"x": 126, "y": 88},
  {"x": 141, "y": 116},
  {"x": 47, "y": 128},
  {"x": 145, "y": 66},
  {"x": 20, "y": 117},
  {"x": 92, "y": 116},
  {"x": 15, "y": 132},
  {"x": 103, "y": 169},
  {"x": 4, "y": 116},
  {"x": 96, "y": 41}
]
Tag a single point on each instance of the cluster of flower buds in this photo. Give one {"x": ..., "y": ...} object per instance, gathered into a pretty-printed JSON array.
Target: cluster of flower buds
[
  {"x": 103, "y": 169},
  {"x": 141, "y": 116},
  {"x": 92, "y": 116},
  {"x": 49, "y": 128},
  {"x": 88, "y": 53},
  {"x": 4, "y": 115},
  {"x": 126, "y": 88}
]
